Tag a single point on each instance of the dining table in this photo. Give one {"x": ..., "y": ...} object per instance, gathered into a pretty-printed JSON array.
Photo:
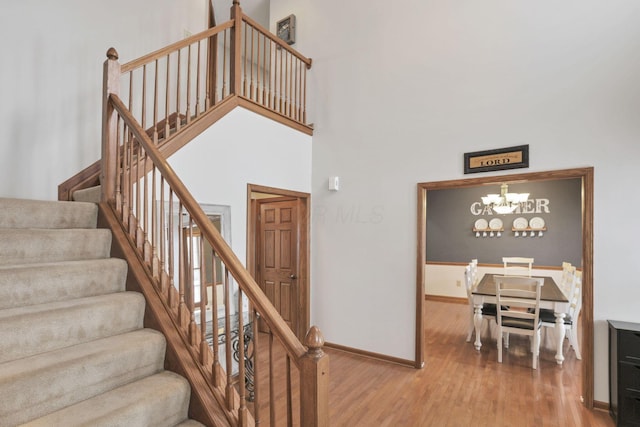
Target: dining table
[{"x": 551, "y": 297}]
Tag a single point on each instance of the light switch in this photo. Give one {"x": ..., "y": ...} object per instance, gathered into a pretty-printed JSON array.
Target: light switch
[{"x": 334, "y": 183}]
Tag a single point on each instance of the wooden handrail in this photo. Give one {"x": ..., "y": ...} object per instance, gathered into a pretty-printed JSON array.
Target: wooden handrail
[{"x": 146, "y": 59}]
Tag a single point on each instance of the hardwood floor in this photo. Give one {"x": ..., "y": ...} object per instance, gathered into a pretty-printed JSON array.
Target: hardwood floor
[{"x": 458, "y": 385}]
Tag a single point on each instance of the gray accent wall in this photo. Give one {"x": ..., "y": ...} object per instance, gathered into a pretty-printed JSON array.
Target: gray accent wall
[{"x": 451, "y": 215}]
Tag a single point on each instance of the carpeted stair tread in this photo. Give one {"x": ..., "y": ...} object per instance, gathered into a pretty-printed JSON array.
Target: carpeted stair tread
[
  {"x": 38, "y": 385},
  {"x": 161, "y": 400},
  {"x": 25, "y": 246},
  {"x": 91, "y": 194},
  {"x": 30, "y": 284},
  {"x": 23, "y": 213},
  {"x": 44, "y": 327}
]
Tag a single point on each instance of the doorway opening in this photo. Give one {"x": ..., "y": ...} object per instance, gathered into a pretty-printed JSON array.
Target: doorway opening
[
  {"x": 278, "y": 246},
  {"x": 586, "y": 318}
]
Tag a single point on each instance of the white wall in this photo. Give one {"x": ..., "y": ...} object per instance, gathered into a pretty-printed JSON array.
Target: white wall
[
  {"x": 51, "y": 79},
  {"x": 243, "y": 148},
  {"x": 401, "y": 90}
]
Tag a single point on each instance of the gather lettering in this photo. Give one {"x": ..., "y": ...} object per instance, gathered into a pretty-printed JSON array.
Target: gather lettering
[{"x": 531, "y": 206}]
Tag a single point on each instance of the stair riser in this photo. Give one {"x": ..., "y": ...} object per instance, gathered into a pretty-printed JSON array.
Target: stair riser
[
  {"x": 41, "y": 283},
  {"x": 36, "y": 386},
  {"x": 35, "y": 329},
  {"x": 18, "y": 213},
  {"x": 161, "y": 400},
  {"x": 37, "y": 246}
]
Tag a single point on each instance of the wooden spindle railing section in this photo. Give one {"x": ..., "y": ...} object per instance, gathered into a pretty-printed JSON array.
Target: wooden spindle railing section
[
  {"x": 168, "y": 89},
  {"x": 171, "y": 232},
  {"x": 235, "y": 63},
  {"x": 273, "y": 74}
]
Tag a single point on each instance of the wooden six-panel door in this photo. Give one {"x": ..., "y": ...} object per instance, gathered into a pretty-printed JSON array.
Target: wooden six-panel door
[{"x": 278, "y": 257}]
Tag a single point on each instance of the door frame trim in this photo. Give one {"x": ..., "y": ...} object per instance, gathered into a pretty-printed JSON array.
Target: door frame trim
[
  {"x": 304, "y": 246},
  {"x": 586, "y": 318}
]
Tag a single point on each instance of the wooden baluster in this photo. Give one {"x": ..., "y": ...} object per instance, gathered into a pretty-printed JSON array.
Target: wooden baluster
[
  {"x": 155, "y": 105},
  {"x": 212, "y": 64},
  {"x": 227, "y": 342},
  {"x": 144, "y": 97},
  {"x": 111, "y": 85},
  {"x": 118, "y": 164},
  {"x": 178, "y": 86},
  {"x": 188, "y": 113},
  {"x": 281, "y": 85},
  {"x": 299, "y": 96},
  {"x": 256, "y": 368},
  {"x": 224, "y": 66},
  {"x": 243, "y": 412},
  {"x": 155, "y": 264},
  {"x": 143, "y": 233},
  {"x": 265, "y": 101},
  {"x": 246, "y": 60},
  {"x": 257, "y": 95},
  {"x": 198, "y": 78},
  {"x": 272, "y": 72},
  {"x": 251, "y": 88},
  {"x": 163, "y": 237},
  {"x": 182, "y": 275},
  {"x": 124, "y": 214},
  {"x": 276, "y": 51},
  {"x": 167, "y": 102},
  {"x": 314, "y": 382},
  {"x": 191, "y": 303},
  {"x": 236, "y": 49},
  {"x": 290, "y": 80},
  {"x": 131, "y": 92},
  {"x": 304, "y": 96},
  {"x": 204, "y": 345},
  {"x": 272, "y": 386},
  {"x": 289, "y": 400},
  {"x": 217, "y": 380},
  {"x": 171, "y": 244}
]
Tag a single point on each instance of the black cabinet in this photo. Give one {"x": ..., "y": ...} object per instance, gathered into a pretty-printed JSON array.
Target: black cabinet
[{"x": 624, "y": 373}]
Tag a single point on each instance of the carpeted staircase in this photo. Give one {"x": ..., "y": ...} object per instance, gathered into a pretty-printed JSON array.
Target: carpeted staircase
[{"x": 73, "y": 349}]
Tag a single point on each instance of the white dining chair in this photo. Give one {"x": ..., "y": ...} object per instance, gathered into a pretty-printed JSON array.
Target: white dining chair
[
  {"x": 488, "y": 310},
  {"x": 567, "y": 279},
  {"x": 517, "y": 266},
  {"x": 518, "y": 310},
  {"x": 548, "y": 318}
]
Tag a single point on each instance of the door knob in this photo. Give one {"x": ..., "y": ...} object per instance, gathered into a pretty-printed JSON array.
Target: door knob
[{"x": 293, "y": 277}]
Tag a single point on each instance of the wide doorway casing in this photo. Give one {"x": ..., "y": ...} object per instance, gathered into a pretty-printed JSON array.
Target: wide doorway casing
[{"x": 586, "y": 317}]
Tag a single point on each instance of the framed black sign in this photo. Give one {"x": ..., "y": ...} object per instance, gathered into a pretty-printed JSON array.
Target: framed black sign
[{"x": 498, "y": 159}]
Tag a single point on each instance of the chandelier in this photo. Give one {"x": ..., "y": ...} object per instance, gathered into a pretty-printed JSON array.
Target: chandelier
[{"x": 505, "y": 202}]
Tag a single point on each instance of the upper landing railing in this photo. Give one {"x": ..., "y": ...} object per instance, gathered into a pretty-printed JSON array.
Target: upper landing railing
[{"x": 168, "y": 89}]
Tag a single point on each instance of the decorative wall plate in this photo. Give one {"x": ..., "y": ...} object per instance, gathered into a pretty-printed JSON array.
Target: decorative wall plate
[
  {"x": 495, "y": 224},
  {"x": 536, "y": 223},
  {"x": 481, "y": 224},
  {"x": 520, "y": 223}
]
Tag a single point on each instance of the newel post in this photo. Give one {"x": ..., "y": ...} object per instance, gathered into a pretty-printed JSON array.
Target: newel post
[
  {"x": 314, "y": 382},
  {"x": 236, "y": 48},
  {"x": 110, "y": 85}
]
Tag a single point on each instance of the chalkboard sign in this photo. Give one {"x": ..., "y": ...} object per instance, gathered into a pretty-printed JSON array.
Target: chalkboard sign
[{"x": 452, "y": 214}]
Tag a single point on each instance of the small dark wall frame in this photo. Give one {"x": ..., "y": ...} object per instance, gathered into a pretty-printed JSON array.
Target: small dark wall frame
[
  {"x": 498, "y": 159},
  {"x": 286, "y": 29}
]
